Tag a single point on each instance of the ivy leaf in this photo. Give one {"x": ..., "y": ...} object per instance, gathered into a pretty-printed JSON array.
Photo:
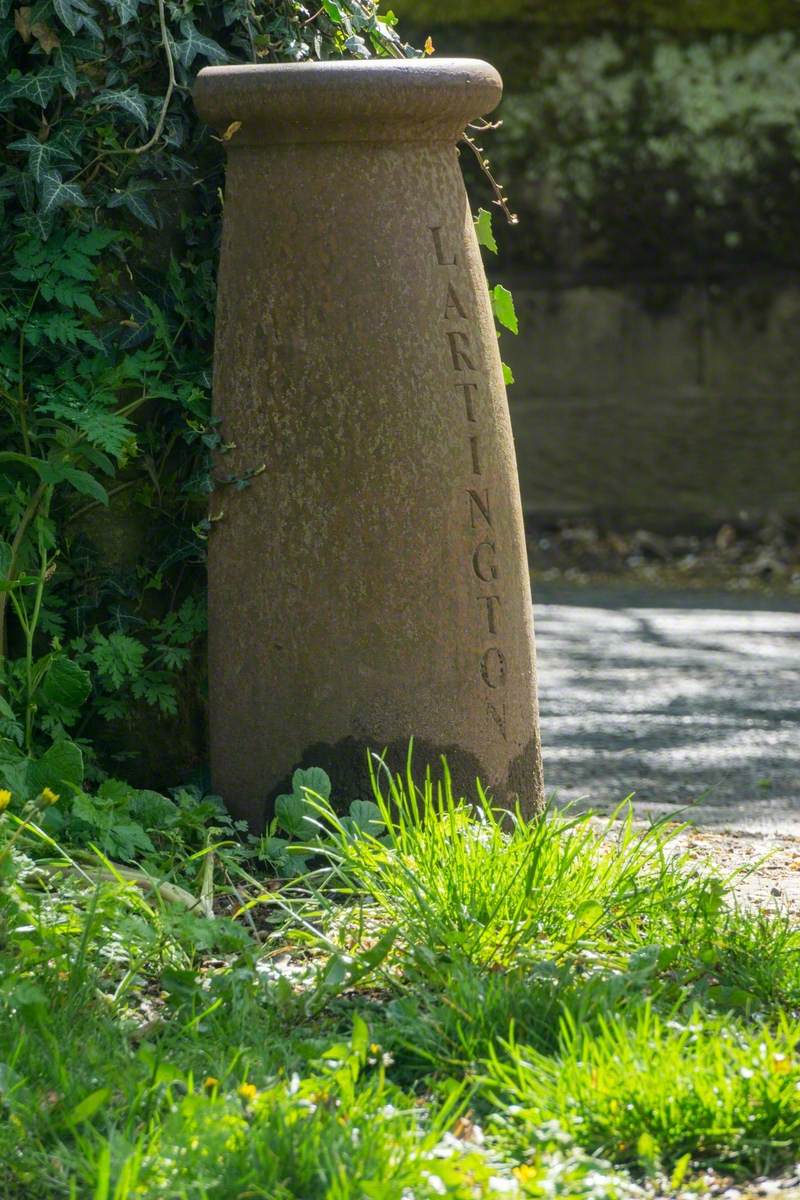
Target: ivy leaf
[
  {"x": 194, "y": 44},
  {"x": 483, "y": 229},
  {"x": 54, "y": 193},
  {"x": 503, "y": 308},
  {"x": 135, "y": 204},
  {"x": 38, "y": 87},
  {"x": 40, "y": 154},
  {"x": 126, "y": 10},
  {"x": 68, "y": 74},
  {"x": 130, "y": 100},
  {"x": 77, "y": 14}
]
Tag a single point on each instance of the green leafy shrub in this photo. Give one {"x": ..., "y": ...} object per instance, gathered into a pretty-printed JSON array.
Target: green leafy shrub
[{"x": 110, "y": 205}]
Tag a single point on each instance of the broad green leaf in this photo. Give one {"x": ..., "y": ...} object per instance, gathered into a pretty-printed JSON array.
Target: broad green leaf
[
  {"x": 312, "y": 779},
  {"x": 483, "y": 229},
  {"x": 60, "y": 766},
  {"x": 587, "y": 914},
  {"x": 87, "y": 1108},
  {"x": 729, "y": 997},
  {"x": 39, "y": 465},
  {"x": 337, "y": 972},
  {"x": 679, "y": 1172},
  {"x": 508, "y": 374},
  {"x": 66, "y": 684},
  {"x": 503, "y": 307},
  {"x": 295, "y": 816},
  {"x": 366, "y": 817},
  {"x": 359, "y": 1041},
  {"x": 26, "y": 995}
]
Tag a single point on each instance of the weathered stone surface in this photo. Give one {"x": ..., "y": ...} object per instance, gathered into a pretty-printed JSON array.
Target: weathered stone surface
[
  {"x": 670, "y": 418},
  {"x": 371, "y": 582}
]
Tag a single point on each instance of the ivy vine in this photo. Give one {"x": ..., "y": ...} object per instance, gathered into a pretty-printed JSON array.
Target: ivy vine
[{"x": 110, "y": 197}]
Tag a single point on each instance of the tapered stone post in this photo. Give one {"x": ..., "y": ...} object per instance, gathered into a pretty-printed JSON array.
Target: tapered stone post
[{"x": 371, "y": 582}]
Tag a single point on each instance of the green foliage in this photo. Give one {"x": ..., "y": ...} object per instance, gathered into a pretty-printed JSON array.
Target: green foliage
[
  {"x": 654, "y": 1093},
  {"x": 483, "y": 230},
  {"x": 304, "y": 816},
  {"x": 679, "y": 15},
  {"x": 447, "y": 1008},
  {"x": 435, "y": 875},
  {"x": 109, "y": 203},
  {"x": 649, "y": 152}
]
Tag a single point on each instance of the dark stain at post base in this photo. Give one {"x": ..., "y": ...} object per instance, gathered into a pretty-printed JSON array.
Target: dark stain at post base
[{"x": 347, "y": 764}]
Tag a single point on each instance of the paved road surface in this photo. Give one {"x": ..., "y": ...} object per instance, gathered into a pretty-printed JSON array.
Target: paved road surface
[{"x": 678, "y": 704}]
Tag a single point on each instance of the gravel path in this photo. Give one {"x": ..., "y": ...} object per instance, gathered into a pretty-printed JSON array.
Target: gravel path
[{"x": 684, "y": 706}]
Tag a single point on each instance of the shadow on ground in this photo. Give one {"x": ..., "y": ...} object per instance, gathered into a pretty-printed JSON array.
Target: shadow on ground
[{"x": 683, "y": 699}]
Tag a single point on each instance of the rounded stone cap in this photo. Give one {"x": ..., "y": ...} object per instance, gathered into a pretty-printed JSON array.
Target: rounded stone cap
[{"x": 380, "y": 100}]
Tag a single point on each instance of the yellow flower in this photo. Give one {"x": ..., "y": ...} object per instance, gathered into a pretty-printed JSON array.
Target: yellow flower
[
  {"x": 248, "y": 1091},
  {"x": 49, "y": 796},
  {"x": 524, "y": 1172},
  {"x": 5, "y": 799},
  {"x": 210, "y": 1082}
]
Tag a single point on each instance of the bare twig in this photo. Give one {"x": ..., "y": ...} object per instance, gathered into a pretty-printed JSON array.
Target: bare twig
[{"x": 499, "y": 197}]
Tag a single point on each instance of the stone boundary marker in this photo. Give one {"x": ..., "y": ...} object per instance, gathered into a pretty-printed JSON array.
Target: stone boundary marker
[{"x": 371, "y": 582}]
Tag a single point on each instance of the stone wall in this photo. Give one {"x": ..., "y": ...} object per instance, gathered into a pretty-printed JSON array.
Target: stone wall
[
  {"x": 652, "y": 151},
  {"x": 673, "y": 417}
]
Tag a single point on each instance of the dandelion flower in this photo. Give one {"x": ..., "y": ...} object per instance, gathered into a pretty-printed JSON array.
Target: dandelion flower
[
  {"x": 5, "y": 799},
  {"x": 248, "y": 1091},
  {"x": 49, "y": 796}
]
